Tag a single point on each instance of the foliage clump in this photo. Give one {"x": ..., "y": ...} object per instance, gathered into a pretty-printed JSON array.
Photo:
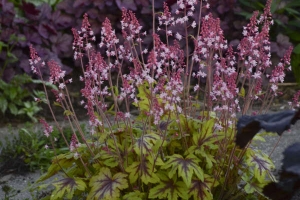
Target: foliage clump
[
  {"x": 25, "y": 151},
  {"x": 16, "y": 99}
]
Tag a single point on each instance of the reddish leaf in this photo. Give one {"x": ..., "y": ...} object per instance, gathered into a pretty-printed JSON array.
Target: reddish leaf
[{"x": 29, "y": 8}]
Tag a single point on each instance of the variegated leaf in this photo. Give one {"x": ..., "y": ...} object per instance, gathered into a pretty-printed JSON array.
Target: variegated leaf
[
  {"x": 261, "y": 163},
  {"x": 186, "y": 167},
  {"x": 202, "y": 189},
  {"x": 169, "y": 188},
  {"x": 145, "y": 143},
  {"x": 107, "y": 186},
  {"x": 143, "y": 170},
  {"x": 66, "y": 188}
]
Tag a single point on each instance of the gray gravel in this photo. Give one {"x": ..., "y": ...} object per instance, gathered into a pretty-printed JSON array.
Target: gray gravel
[{"x": 21, "y": 185}]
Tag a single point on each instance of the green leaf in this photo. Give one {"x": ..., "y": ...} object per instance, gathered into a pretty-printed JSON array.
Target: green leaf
[
  {"x": 3, "y": 85},
  {"x": 292, "y": 11},
  {"x": 105, "y": 186},
  {"x": 194, "y": 125},
  {"x": 3, "y": 104},
  {"x": 12, "y": 92},
  {"x": 145, "y": 143},
  {"x": 202, "y": 189},
  {"x": 116, "y": 90},
  {"x": 21, "y": 79},
  {"x": 109, "y": 158},
  {"x": 204, "y": 153},
  {"x": 293, "y": 35},
  {"x": 143, "y": 170},
  {"x": 261, "y": 163},
  {"x": 169, "y": 188},
  {"x": 12, "y": 57},
  {"x": 252, "y": 184},
  {"x": 186, "y": 167},
  {"x": 297, "y": 49},
  {"x": 66, "y": 188},
  {"x": 259, "y": 138},
  {"x": 27, "y": 104},
  {"x": 144, "y": 96},
  {"x": 68, "y": 113},
  {"x": 48, "y": 84},
  {"x": 13, "y": 108},
  {"x": 57, "y": 104},
  {"x": 2, "y": 44},
  {"x": 136, "y": 195},
  {"x": 205, "y": 135},
  {"x": 242, "y": 92},
  {"x": 60, "y": 161},
  {"x": 292, "y": 4}
]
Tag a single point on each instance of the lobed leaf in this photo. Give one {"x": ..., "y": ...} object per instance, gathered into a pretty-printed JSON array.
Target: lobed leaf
[
  {"x": 202, "y": 189},
  {"x": 186, "y": 167},
  {"x": 261, "y": 163},
  {"x": 136, "y": 195},
  {"x": 205, "y": 132},
  {"x": 252, "y": 184},
  {"x": 204, "y": 153},
  {"x": 109, "y": 154},
  {"x": 105, "y": 186},
  {"x": 143, "y": 170},
  {"x": 61, "y": 161},
  {"x": 66, "y": 188},
  {"x": 169, "y": 188},
  {"x": 145, "y": 143}
]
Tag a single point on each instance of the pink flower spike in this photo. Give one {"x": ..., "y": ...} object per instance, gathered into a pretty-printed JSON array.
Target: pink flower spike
[
  {"x": 55, "y": 72},
  {"x": 47, "y": 128}
]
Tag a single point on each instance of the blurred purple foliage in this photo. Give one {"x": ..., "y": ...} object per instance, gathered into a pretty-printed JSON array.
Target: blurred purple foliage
[{"x": 49, "y": 30}]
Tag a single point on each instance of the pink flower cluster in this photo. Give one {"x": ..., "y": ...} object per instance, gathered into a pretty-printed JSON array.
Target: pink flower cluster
[
  {"x": 74, "y": 144},
  {"x": 35, "y": 61},
  {"x": 47, "y": 128},
  {"x": 295, "y": 102},
  {"x": 169, "y": 70}
]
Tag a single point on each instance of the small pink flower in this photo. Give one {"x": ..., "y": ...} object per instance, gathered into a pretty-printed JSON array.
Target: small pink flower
[{"x": 127, "y": 115}]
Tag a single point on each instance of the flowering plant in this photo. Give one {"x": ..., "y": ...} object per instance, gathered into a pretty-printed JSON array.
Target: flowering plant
[{"x": 162, "y": 121}]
